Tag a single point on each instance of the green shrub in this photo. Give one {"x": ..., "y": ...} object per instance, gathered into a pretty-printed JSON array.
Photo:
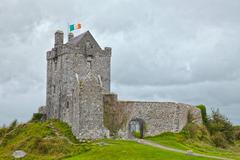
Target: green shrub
[
  {"x": 37, "y": 117},
  {"x": 217, "y": 129},
  {"x": 195, "y": 131},
  {"x": 204, "y": 113},
  {"x": 219, "y": 140},
  {"x": 237, "y": 132},
  {"x": 219, "y": 123}
]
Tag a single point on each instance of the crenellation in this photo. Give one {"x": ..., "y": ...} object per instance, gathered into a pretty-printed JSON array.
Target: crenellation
[{"x": 58, "y": 38}]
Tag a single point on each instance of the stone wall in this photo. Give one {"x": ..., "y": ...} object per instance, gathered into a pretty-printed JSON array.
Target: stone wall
[
  {"x": 90, "y": 124},
  {"x": 158, "y": 117}
]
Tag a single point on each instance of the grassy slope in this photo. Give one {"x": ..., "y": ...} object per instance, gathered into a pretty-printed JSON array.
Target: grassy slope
[
  {"x": 48, "y": 141},
  {"x": 129, "y": 150},
  {"x": 40, "y": 141},
  {"x": 177, "y": 141}
]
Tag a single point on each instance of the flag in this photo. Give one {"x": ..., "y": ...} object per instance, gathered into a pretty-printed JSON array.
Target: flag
[{"x": 74, "y": 26}]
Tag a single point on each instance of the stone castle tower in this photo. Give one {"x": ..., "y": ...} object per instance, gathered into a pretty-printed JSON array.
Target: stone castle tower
[
  {"x": 78, "y": 92},
  {"x": 70, "y": 96}
]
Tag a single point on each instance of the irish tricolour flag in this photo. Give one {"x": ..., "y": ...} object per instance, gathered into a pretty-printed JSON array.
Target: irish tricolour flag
[{"x": 73, "y": 27}]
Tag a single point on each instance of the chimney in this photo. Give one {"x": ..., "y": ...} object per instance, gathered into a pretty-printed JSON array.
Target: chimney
[
  {"x": 58, "y": 38},
  {"x": 70, "y": 36},
  {"x": 108, "y": 51}
]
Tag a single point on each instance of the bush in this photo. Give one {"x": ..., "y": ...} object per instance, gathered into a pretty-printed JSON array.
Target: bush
[
  {"x": 204, "y": 113},
  {"x": 219, "y": 140},
  {"x": 217, "y": 129},
  {"x": 219, "y": 123},
  {"x": 237, "y": 132},
  {"x": 37, "y": 117},
  {"x": 195, "y": 131}
]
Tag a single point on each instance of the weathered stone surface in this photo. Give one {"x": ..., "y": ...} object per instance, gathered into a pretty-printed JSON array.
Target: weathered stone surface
[
  {"x": 77, "y": 74},
  {"x": 158, "y": 117},
  {"x": 19, "y": 154},
  {"x": 78, "y": 92}
]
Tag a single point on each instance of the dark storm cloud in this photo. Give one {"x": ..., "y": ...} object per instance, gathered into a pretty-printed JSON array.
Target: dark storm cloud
[{"x": 185, "y": 51}]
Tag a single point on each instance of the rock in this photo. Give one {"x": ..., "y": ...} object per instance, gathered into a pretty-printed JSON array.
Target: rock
[
  {"x": 190, "y": 153},
  {"x": 103, "y": 144},
  {"x": 19, "y": 154}
]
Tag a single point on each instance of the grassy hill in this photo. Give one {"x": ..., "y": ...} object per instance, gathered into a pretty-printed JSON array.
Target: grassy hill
[
  {"x": 53, "y": 140},
  {"x": 41, "y": 140}
]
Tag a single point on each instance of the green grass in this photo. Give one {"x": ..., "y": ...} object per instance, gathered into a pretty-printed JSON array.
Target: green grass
[
  {"x": 40, "y": 141},
  {"x": 54, "y": 140},
  {"x": 130, "y": 150},
  {"x": 177, "y": 140},
  {"x": 64, "y": 129}
]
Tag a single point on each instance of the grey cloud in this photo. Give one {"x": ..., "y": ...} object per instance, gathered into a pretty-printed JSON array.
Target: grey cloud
[{"x": 185, "y": 51}]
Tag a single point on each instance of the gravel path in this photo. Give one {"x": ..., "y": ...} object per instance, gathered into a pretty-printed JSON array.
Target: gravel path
[{"x": 190, "y": 153}]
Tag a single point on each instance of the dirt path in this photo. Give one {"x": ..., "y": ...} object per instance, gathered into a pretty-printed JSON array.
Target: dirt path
[
  {"x": 190, "y": 153},
  {"x": 58, "y": 134}
]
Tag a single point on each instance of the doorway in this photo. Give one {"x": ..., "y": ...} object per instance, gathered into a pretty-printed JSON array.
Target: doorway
[{"x": 136, "y": 128}]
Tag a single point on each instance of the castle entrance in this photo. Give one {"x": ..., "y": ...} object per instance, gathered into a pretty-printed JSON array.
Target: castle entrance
[{"x": 136, "y": 128}]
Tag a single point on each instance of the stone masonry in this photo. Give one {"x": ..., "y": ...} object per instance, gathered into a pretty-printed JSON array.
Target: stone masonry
[
  {"x": 158, "y": 117},
  {"x": 78, "y": 92},
  {"x": 77, "y": 74}
]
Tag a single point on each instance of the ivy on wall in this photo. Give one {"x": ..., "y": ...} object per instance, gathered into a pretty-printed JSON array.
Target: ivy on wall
[{"x": 115, "y": 115}]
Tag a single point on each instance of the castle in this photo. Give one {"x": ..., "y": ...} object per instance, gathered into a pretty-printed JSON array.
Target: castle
[{"x": 78, "y": 93}]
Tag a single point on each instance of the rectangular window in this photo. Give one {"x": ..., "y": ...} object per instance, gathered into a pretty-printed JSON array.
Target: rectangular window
[
  {"x": 67, "y": 106},
  {"x": 61, "y": 63},
  {"x": 89, "y": 63},
  {"x": 55, "y": 65},
  {"x": 54, "y": 89}
]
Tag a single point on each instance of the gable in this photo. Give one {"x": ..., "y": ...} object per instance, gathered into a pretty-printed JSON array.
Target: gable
[{"x": 84, "y": 40}]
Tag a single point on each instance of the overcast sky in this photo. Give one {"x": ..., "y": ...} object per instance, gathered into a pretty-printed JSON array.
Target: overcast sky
[{"x": 163, "y": 50}]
